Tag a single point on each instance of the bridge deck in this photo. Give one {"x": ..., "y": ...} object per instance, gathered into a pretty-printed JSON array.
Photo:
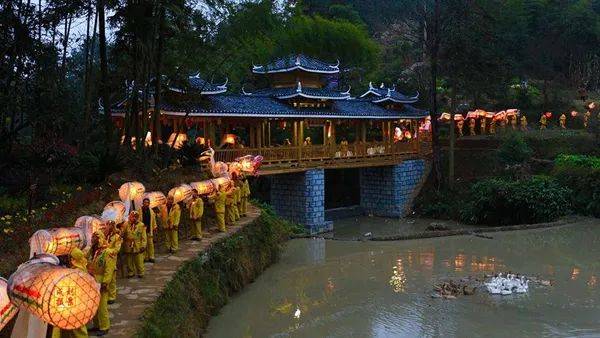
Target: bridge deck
[{"x": 288, "y": 159}]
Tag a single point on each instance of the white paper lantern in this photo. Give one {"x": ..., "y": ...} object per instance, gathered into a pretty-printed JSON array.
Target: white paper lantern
[
  {"x": 157, "y": 199},
  {"x": 204, "y": 187},
  {"x": 181, "y": 193},
  {"x": 90, "y": 224},
  {"x": 66, "y": 298},
  {"x": 114, "y": 211},
  {"x": 58, "y": 241},
  {"x": 7, "y": 309},
  {"x": 131, "y": 190}
]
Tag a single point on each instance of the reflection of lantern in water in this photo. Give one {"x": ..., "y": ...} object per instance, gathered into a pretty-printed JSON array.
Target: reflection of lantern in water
[
  {"x": 398, "y": 279},
  {"x": 459, "y": 262},
  {"x": 181, "y": 193},
  {"x": 7, "y": 309},
  {"x": 426, "y": 260},
  {"x": 575, "y": 273},
  {"x": 592, "y": 282},
  {"x": 114, "y": 211},
  {"x": 58, "y": 241},
  {"x": 66, "y": 298},
  {"x": 181, "y": 138}
]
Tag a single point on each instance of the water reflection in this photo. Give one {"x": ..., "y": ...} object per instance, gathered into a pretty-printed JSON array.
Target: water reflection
[{"x": 366, "y": 289}]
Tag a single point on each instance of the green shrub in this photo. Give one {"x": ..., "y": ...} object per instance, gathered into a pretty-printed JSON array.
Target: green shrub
[
  {"x": 504, "y": 202},
  {"x": 514, "y": 150},
  {"x": 582, "y": 175}
]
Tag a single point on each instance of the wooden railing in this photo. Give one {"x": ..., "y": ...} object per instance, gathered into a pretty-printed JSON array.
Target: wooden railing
[{"x": 330, "y": 156}]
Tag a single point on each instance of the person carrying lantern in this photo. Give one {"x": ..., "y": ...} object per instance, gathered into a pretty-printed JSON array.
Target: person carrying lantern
[
  {"x": 493, "y": 126},
  {"x": 459, "y": 126},
  {"x": 218, "y": 199},
  {"x": 135, "y": 241},
  {"x": 229, "y": 201},
  {"x": 472, "y": 125},
  {"x": 172, "y": 226},
  {"x": 523, "y": 123},
  {"x": 482, "y": 126},
  {"x": 563, "y": 121},
  {"x": 114, "y": 242},
  {"x": 543, "y": 122},
  {"x": 196, "y": 213},
  {"x": 149, "y": 220},
  {"x": 586, "y": 119},
  {"x": 245, "y": 196},
  {"x": 237, "y": 197},
  {"x": 102, "y": 267},
  {"x": 77, "y": 260},
  {"x": 514, "y": 122}
]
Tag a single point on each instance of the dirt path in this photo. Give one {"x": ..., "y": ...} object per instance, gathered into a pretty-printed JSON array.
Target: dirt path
[{"x": 136, "y": 295}]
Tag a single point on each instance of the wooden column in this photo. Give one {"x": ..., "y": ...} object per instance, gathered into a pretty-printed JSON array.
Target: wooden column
[
  {"x": 301, "y": 133},
  {"x": 259, "y": 135},
  {"x": 252, "y": 139},
  {"x": 295, "y": 134},
  {"x": 363, "y": 131},
  {"x": 269, "y": 133}
]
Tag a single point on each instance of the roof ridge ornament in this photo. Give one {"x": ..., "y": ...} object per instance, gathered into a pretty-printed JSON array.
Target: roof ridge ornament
[
  {"x": 337, "y": 65},
  {"x": 245, "y": 92},
  {"x": 298, "y": 60},
  {"x": 389, "y": 93},
  {"x": 382, "y": 86},
  {"x": 371, "y": 85},
  {"x": 348, "y": 91},
  {"x": 299, "y": 88},
  {"x": 224, "y": 85}
]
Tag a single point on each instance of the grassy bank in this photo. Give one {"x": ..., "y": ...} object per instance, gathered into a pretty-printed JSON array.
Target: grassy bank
[{"x": 203, "y": 285}]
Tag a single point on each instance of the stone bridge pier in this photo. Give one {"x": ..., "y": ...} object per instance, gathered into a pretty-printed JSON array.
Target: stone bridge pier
[{"x": 386, "y": 191}]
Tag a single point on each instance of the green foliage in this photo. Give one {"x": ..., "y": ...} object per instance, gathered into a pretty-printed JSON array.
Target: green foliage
[
  {"x": 504, "y": 202},
  {"x": 514, "y": 150},
  {"x": 551, "y": 143},
  {"x": 202, "y": 286},
  {"x": 582, "y": 175},
  {"x": 12, "y": 204}
]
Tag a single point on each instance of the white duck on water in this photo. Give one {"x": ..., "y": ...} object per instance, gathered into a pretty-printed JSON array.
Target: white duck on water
[{"x": 507, "y": 285}]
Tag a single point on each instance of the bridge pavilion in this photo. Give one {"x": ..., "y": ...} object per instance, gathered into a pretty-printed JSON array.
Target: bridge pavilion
[{"x": 302, "y": 124}]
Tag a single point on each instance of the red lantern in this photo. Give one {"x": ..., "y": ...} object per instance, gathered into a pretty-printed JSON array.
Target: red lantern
[{"x": 548, "y": 115}]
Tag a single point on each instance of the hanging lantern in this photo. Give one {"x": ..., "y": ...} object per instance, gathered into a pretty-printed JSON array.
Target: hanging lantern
[
  {"x": 398, "y": 135},
  {"x": 65, "y": 298},
  {"x": 89, "y": 224},
  {"x": 57, "y": 241},
  {"x": 114, "y": 211},
  {"x": 574, "y": 113},
  {"x": 148, "y": 140},
  {"x": 181, "y": 193},
  {"x": 548, "y": 115},
  {"x": 200, "y": 140},
  {"x": 181, "y": 138},
  {"x": 7, "y": 309},
  {"x": 407, "y": 134},
  {"x": 229, "y": 139}
]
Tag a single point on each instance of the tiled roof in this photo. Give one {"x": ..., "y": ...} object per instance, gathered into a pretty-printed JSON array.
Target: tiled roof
[
  {"x": 383, "y": 94},
  {"x": 294, "y": 62},
  {"x": 264, "y": 106},
  {"x": 205, "y": 87},
  {"x": 300, "y": 91}
]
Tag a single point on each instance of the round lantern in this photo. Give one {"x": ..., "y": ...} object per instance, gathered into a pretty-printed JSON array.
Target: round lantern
[
  {"x": 58, "y": 241},
  {"x": 512, "y": 112},
  {"x": 7, "y": 309},
  {"x": 181, "y": 193},
  {"x": 490, "y": 114},
  {"x": 220, "y": 169},
  {"x": 131, "y": 190},
  {"x": 250, "y": 163},
  {"x": 89, "y": 224},
  {"x": 444, "y": 117},
  {"x": 229, "y": 139},
  {"x": 204, "y": 187},
  {"x": 200, "y": 140},
  {"x": 473, "y": 115},
  {"x": 407, "y": 134},
  {"x": 574, "y": 113},
  {"x": 157, "y": 199},
  {"x": 66, "y": 298},
  {"x": 481, "y": 113},
  {"x": 114, "y": 211},
  {"x": 221, "y": 181},
  {"x": 548, "y": 115}
]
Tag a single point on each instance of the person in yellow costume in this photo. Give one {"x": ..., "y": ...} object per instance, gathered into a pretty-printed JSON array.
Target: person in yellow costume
[
  {"x": 245, "y": 196},
  {"x": 237, "y": 197},
  {"x": 459, "y": 126},
  {"x": 218, "y": 199},
  {"x": 543, "y": 122},
  {"x": 196, "y": 213},
  {"x": 172, "y": 226},
  {"x": 523, "y": 123},
  {"x": 229, "y": 200},
  {"x": 77, "y": 260},
  {"x": 482, "y": 125},
  {"x": 563, "y": 121},
  {"x": 586, "y": 119},
  {"x": 472, "y": 125},
  {"x": 114, "y": 242},
  {"x": 514, "y": 122},
  {"x": 102, "y": 267},
  {"x": 149, "y": 220},
  {"x": 135, "y": 241}
]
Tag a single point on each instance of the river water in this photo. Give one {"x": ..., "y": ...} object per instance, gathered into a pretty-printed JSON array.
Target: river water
[{"x": 383, "y": 289}]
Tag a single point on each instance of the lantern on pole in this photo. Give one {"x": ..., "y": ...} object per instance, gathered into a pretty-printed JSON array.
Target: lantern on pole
[
  {"x": 66, "y": 298},
  {"x": 7, "y": 309},
  {"x": 114, "y": 211},
  {"x": 57, "y": 241},
  {"x": 181, "y": 193}
]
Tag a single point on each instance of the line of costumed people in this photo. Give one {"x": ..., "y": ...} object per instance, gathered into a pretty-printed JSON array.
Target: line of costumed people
[{"x": 71, "y": 276}]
